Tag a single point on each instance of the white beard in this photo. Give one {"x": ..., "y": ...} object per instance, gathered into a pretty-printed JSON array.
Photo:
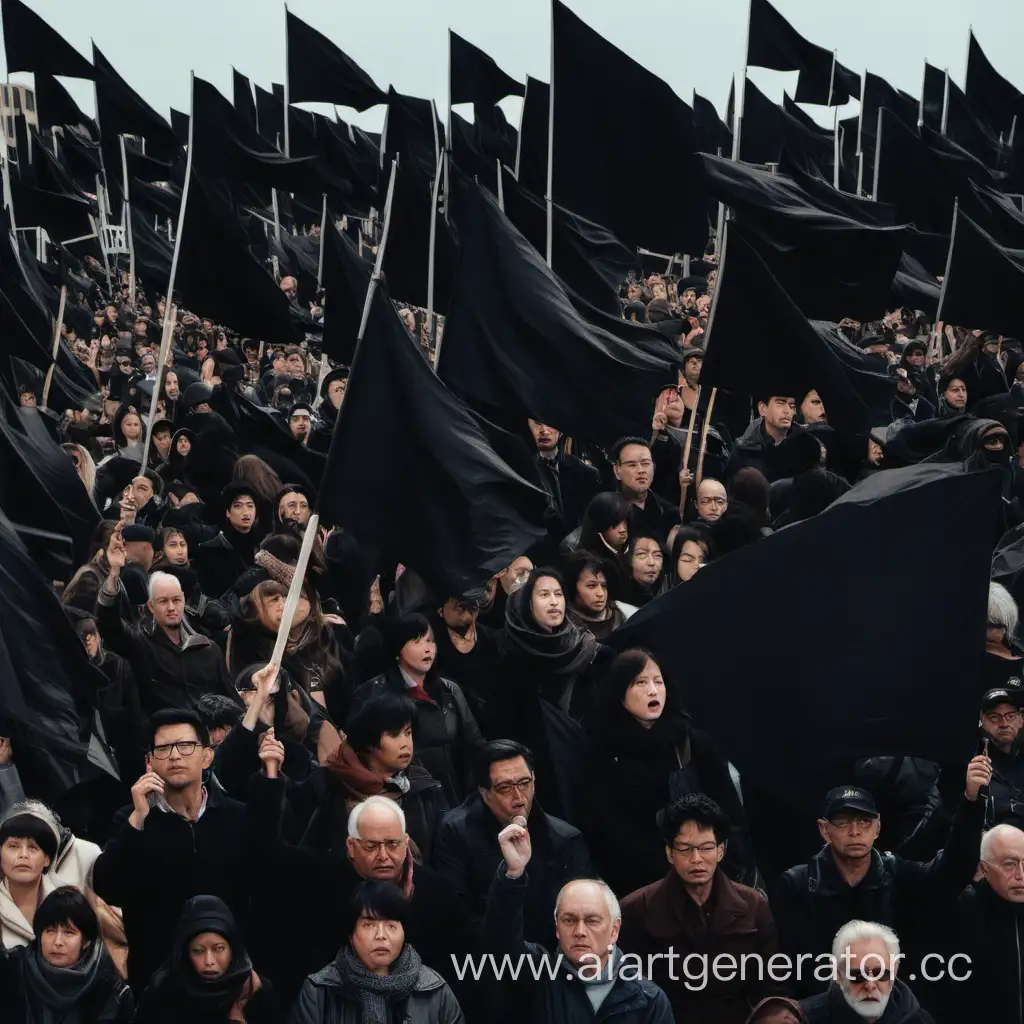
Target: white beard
[{"x": 869, "y": 1009}]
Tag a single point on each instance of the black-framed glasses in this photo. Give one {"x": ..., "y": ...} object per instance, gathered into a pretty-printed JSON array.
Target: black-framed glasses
[
  {"x": 520, "y": 786},
  {"x": 861, "y": 977},
  {"x": 185, "y": 747}
]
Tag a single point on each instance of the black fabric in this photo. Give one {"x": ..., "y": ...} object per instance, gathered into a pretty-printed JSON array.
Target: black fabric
[
  {"x": 532, "y": 161},
  {"x": 30, "y": 44},
  {"x": 270, "y": 117},
  {"x": 932, "y": 101},
  {"x": 54, "y": 104},
  {"x": 242, "y": 97},
  {"x": 120, "y": 110},
  {"x": 914, "y": 287},
  {"x": 984, "y": 281},
  {"x": 806, "y": 354},
  {"x": 791, "y": 235},
  {"x": 879, "y": 94},
  {"x": 513, "y": 341},
  {"x": 588, "y": 259},
  {"x": 996, "y": 214},
  {"x": 713, "y": 134},
  {"x": 774, "y": 43},
  {"x": 995, "y": 99},
  {"x": 346, "y": 279},
  {"x": 767, "y": 129},
  {"x": 217, "y": 274},
  {"x": 434, "y": 494},
  {"x": 860, "y": 712},
  {"x": 318, "y": 70},
  {"x": 964, "y": 127},
  {"x": 597, "y": 91},
  {"x": 62, "y": 215},
  {"x": 152, "y": 251},
  {"x": 413, "y": 133},
  {"x": 474, "y": 77}
]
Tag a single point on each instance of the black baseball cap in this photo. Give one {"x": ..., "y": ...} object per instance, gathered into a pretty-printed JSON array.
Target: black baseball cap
[
  {"x": 1001, "y": 695},
  {"x": 848, "y": 798}
]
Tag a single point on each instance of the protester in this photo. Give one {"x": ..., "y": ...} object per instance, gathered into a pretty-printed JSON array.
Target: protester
[
  {"x": 647, "y": 576},
  {"x": 1000, "y": 726},
  {"x": 756, "y": 449},
  {"x": 691, "y": 550},
  {"x": 589, "y": 604},
  {"x": 1002, "y": 665},
  {"x": 569, "y": 481},
  {"x": 634, "y": 470},
  {"x": 711, "y": 499}
]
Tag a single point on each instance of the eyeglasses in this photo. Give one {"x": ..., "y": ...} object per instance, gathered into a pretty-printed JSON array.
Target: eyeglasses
[
  {"x": 713, "y": 501},
  {"x": 185, "y": 747},
  {"x": 637, "y": 464},
  {"x": 704, "y": 849},
  {"x": 373, "y": 845},
  {"x": 861, "y": 977},
  {"x": 995, "y": 718},
  {"x": 845, "y": 824},
  {"x": 520, "y": 786}
]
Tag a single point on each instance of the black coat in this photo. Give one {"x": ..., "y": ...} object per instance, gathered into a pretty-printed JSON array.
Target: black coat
[
  {"x": 991, "y": 932},
  {"x": 152, "y": 872},
  {"x": 1005, "y": 801},
  {"x": 121, "y": 713},
  {"x": 168, "y": 676},
  {"x": 475, "y": 672},
  {"x": 467, "y": 854},
  {"x": 831, "y": 1008},
  {"x": 447, "y": 736},
  {"x": 570, "y": 484},
  {"x": 757, "y": 449},
  {"x": 559, "y": 998},
  {"x": 812, "y": 902},
  {"x": 155, "y": 1007},
  {"x": 220, "y": 562}
]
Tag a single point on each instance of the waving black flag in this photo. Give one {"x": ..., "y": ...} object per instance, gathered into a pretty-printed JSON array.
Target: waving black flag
[
  {"x": 270, "y": 117},
  {"x": 472, "y": 513},
  {"x": 64, "y": 216},
  {"x": 475, "y": 77},
  {"x": 346, "y": 279},
  {"x": 597, "y": 92},
  {"x": 152, "y": 252},
  {"x": 515, "y": 346},
  {"x": 996, "y": 100},
  {"x": 54, "y": 105},
  {"x": 218, "y": 276},
  {"x": 933, "y": 98},
  {"x": 965, "y": 128},
  {"x": 984, "y": 282},
  {"x": 412, "y": 131},
  {"x": 165, "y": 201},
  {"x": 995, "y": 213},
  {"x": 767, "y": 128},
  {"x": 532, "y": 158},
  {"x": 242, "y": 97},
  {"x": 120, "y": 110},
  {"x": 864, "y": 703},
  {"x": 805, "y": 354},
  {"x": 879, "y": 94},
  {"x": 30, "y": 44},
  {"x": 914, "y": 287},
  {"x": 713, "y": 134},
  {"x": 774, "y": 43},
  {"x": 318, "y": 70}
]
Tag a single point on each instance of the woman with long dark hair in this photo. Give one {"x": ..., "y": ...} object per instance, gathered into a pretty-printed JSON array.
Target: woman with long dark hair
[
  {"x": 644, "y": 753},
  {"x": 691, "y": 550},
  {"x": 647, "y": 576},
  {"x": 590, "y": 590},
  {"x": 604, "y": 531}
]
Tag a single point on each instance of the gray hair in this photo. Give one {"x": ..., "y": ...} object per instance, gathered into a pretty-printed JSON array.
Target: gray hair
[
  {"x": 994, "y": 833},
  {"x": 609, "y": 897},
  {"x": 162, "y": 577},
  {"x": 1002, "y": 609},
  {"x": 859, "y": 931},
  {"x": 373, "y": 801}
]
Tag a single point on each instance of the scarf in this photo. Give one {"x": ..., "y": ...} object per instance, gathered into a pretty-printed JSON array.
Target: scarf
[
  {"x": 358, "y": 780},
  {"x": 55, "y": 993},
  {"x": 375, "y": 991},
  {"x": 566, "y": 651},
  {"x": 603, "y": 625}
]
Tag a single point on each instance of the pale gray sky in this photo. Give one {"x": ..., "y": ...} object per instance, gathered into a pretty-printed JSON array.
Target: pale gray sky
[{"x": 155, "y": 43}]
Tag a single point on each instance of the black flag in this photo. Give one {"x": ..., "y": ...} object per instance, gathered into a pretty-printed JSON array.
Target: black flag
[
  {"x": 472, "y": 513},
  {"x": 242, "y": 98},
  {"x": 318, "y": 70},
  {"x": 713, "y": 134},
  {"x": 864, "y": 702},
  {"x": 933, "y": 97},
  {"x": 30, "y": 44},
  {"x": 597, "y": 92},
  {"x": 475, "y": 77},
  {"x": 768, "y": 128},
  {"x": 515, "y": 346},
  {"x": 996, "y": 100},
  {"x": 805, "y": 355},
  {"x": 54, "y": 105},
  {"x": 346, "y": 279},
  {"x": 532, "y": 158}
]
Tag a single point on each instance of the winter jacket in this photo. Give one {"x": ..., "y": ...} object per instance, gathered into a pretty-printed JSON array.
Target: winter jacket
[
  {"x": 324, "y": 1000},
  {"x": 168, "y": 675},
  {"x": 831, "y": 1008},
  {"x": 561, "y": 998},
  {"x": 467, "y": 854},
  {"x": 447, "y": 735},
  {"x": 757, "y": 449},
  {"x": 735, "y": 921}
]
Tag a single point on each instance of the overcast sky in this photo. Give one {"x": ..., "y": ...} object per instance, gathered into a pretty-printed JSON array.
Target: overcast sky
[{"x": 155, "y": 43}]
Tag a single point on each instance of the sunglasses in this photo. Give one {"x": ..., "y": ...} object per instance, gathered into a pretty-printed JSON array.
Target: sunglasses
[{"x": 859, "y": 977}]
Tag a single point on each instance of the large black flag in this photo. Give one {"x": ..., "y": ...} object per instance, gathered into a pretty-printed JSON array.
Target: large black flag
[
  {"x": 152, "y": 252},
  {"x": 242, "y": 97},
  {"x": 767, "y": 129},
  {"x": 774, "y": 43},
  {"x": 54, "y": 105},
  {"x": 965, "y": 128},
  {"x": 412, "y": 131},
  {"x": 318, "y": 70},
  {"x": 599, "y": 172},
  {"x": 995, "y": 213},
  {"x": 879, "y": 94},
  {"x": 346, "y": 279},
  {"x": 804, "y": 355},
  {"x": 713, "y": 134},
  {"x": 914, "y": 287},
  {"x": 515, "y": 346},
  {"x": 30, "y": 44},
  {"x": 434, "y": 493},
  {"x": 867, "y": 700},
  {"x": 933, "y": 98},
  {"x": 532, "y": 158},
  {"x": 984, "y": 282},
  {"x": 996, "y": 100},
  {"x": 474, "y": 77}
]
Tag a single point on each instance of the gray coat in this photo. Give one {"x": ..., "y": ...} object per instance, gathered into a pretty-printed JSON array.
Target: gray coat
[{"x": 324, "y": 999}]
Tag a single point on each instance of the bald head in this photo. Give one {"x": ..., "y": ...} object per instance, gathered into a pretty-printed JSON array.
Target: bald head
[
  {"x": 377, "y": 843},
  {"x": 587, "y": 921},
  {"x": 711, "y": 500},
  {"x": 1002, "y": 862}
]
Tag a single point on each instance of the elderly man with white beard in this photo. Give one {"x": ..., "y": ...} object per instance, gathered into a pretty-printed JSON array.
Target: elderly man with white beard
[{"x": 865, "y": 986}]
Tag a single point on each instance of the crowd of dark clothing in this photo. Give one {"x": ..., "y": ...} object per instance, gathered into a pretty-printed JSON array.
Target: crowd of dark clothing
[{"x": 427, "y": 777}]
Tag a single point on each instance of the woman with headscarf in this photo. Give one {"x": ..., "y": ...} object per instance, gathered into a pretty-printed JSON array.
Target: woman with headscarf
[
  {"x": 177, "y": 465},
  {"x": 448, "y": 737},
  {"x": 64, "y": 975},
  {"x": 377, "y": 977},
  {"x": 644, "y": 753},
  {"x": 171, "y": 548},
  {"x": 208, "y": 977},
  {"x": 589, "y": 584},
  {"x": 647, "y": 577}
]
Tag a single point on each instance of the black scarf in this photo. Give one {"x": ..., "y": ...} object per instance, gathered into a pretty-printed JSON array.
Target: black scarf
[
  {"x": 376, "y": 993},
  {"x": 567, "y": 650},
  {"x": 56, "y": 995},
  {"x": 619, "y": 733}
]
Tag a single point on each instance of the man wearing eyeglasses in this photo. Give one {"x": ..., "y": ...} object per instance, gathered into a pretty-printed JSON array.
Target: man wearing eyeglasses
[
  {"x": 848, "y": 879},
  {"x": 467, "y": 853},
  {"x": 633, "y": 466},
  {"x": 697, "y": 909},
  {"x": 1000, "y": 725}
]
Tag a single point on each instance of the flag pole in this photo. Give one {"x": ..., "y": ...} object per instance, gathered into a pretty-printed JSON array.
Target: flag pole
[
  {"x": 686, "y": 449},
  {"x": 291, "y": 603},
  {"x": 704, "y": 436},
  {"x": 170, "y": 316},
  {"x": 860, "y": 134},
  {"x": 920, "y": 105},
  {"x": 837, "y": 149},
  {"x": 519, "y": 137},
  {"x": 127, "y": 216},
  {"x": 832, "y": 79},
  {"x": 432, "y": 241},
  {"x": 501, "y": 186},
  {"x": 945, "y": 103},
  {"x": 378, "y": 266},
  {"x": 287, "y": 90},
  {"x": 741, "y": 94},
  {"x": 323, "y": 234},
  {"x": 56, "y": 343},
  {"x": 949, "y": 259},
  {"x": 551, "y": 142},
  {"x": 878, "y": 156}
]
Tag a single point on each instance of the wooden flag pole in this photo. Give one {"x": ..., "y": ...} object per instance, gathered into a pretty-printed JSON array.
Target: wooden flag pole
[
  {"x": 170, "y": 317},
  {"x": 323, "y": 235},
  {"x": 284, "y": 627},
  {"x": 704, "y": 436},
  {"x": 57, "y": 324},
  {"x": 686, "y": 449},
  {"x": 432, "y": 241}
]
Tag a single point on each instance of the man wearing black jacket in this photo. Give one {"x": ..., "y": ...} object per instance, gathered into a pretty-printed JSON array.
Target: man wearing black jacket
[
  {"x": 1001, "y": 724},
  {"x": 756, "y": 447},
  {"x": 569, "y": 481},
  {"x": 223, "y": 559},
  {"x": 633, "y": 465},
  {"x": 850, "y": 880}
]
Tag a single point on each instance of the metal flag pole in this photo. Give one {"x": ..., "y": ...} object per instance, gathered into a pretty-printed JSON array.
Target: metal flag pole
[
  {"x": 127, "y": 217},
  {"x": 431, "y": 242},
  {"x": 837, "y": 149},
  {"x": 832, "y": 79},
  {"x": 323, "y": 235},
  {"x": 551, "y": 143},
  {"x": 56, "y": 343},
  {"x": 878, "y": 156},
  {"x": 945, "y": 103},
  {"x": 949, "y": 259},
  {"x": 287, "y": 88}
]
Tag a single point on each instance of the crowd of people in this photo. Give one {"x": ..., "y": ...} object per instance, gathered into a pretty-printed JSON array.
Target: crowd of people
[{"x": 430, "y": 782}]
